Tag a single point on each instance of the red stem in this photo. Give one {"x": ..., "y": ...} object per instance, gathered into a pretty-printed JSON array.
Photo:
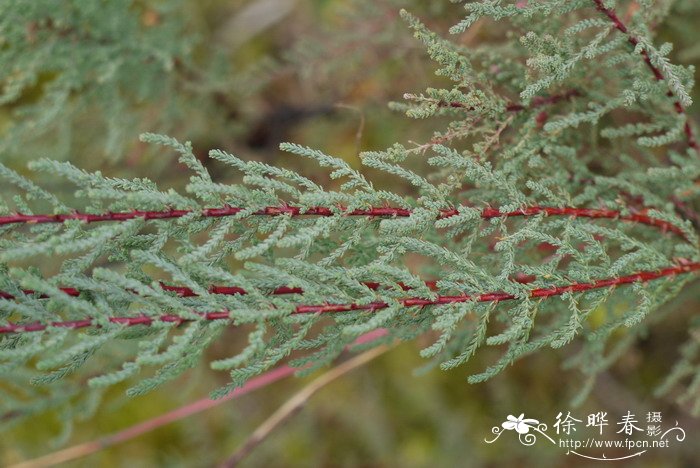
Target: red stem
[
  {"x": 486, "y": 213},
  {"x": 537, "y": 101},
  {"x": 255, "y": 383},
  {"x": 643, "y": 276},
  {"x": 540, "y": 101},
  {"x": 184, "y": 291},
  {"x": 620, "y": 26}
]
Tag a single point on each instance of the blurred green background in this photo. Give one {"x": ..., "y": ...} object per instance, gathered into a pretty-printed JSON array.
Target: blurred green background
[{"x": 320, "y": 73}]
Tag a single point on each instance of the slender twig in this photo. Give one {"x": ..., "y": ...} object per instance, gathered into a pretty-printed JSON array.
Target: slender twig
[
  {"x": 494, "y": 139},
  {"x": 360, "y": 127},
  {"x": 296, "y": 402},
  {"x": 683, "y": 267},
  {"x": 93, "y": 446},
  {"x": 685, "y": 210},
  {"x": 486, "y": 213},
  {"x": 658, "y": 74},
  {"x": 184, "y": 291},
  {"x": 536, "y": 102},
  {"x": 87, "y": 448}
]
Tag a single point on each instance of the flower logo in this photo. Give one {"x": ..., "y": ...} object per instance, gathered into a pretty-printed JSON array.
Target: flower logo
[{"x": 520, "y": 424}]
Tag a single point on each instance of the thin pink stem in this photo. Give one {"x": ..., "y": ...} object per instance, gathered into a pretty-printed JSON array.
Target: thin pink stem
[
  {"x": 658, "y": 74},
  {"x": 486, "y": 213},
  {"x": 639, "y": 277},
  {"x": 536, "y": 102},
  {"x": 184, "y": 291},
  {"x": 261, "y": 381}
]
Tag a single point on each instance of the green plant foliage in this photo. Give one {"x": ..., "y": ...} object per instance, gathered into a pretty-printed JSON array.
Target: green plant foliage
[
  {"x": 127, "y": 52},
  {"x": 533, "y": 121}
]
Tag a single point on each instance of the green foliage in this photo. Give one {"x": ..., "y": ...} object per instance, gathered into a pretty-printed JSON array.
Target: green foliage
[
  {"x": 127, "y": 52},
  {"x": 508, "y": 144}
]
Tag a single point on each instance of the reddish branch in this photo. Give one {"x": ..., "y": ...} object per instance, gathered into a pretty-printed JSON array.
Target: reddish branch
[
  {"x": 261, "y": 381},
  {"x": 184, "y": 291},
  {"x": 486, "y": 213},
  {"x": 93, "y": 446},
  {"x": 540, "y": 101},
  {"x": 640, "y": 277},
  {"x": 620, "y": 26},
  {"x": 536, "y": 102},
  {"x": 687, "y": 212}
]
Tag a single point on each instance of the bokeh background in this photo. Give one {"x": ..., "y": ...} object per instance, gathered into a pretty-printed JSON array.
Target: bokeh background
[{"x": 244, "y": 76}]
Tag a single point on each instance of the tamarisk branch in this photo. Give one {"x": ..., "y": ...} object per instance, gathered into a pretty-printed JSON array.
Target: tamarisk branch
[
  {"x": 486, "y": 213},
  {"x": 620, "y": 26},
  {"x": 640, "y": 277}
]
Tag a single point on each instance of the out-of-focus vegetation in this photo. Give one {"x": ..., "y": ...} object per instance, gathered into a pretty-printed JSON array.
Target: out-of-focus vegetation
[{"x": 319, "y": 73}]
